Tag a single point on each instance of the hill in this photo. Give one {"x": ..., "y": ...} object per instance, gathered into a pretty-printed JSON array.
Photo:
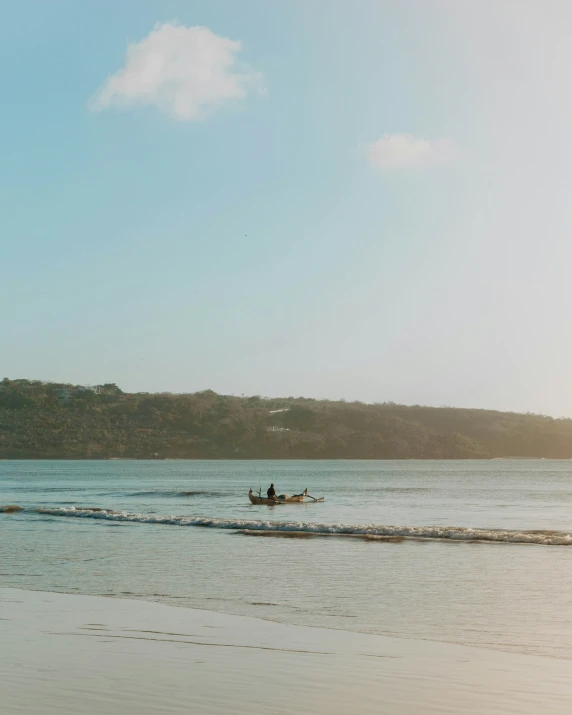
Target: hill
[{"x": 47, "y": 420}]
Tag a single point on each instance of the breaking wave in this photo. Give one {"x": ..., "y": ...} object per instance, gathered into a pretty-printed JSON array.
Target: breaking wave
[{"x": 370, "y": 531}]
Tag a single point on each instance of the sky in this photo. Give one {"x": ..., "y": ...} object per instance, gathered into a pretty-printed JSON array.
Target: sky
[{"x": 365, "y": 200}]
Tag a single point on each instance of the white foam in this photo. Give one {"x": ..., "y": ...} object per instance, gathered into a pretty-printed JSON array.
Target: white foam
[{"x": 451, "y": 533}]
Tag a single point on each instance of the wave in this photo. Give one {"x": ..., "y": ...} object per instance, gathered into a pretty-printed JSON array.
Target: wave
[
  {"x": 398, "y": 490},
  {"x": 370, "y": 531},
  {"x": 177, "y": 493},
  {"x": 15, "y": 486}
]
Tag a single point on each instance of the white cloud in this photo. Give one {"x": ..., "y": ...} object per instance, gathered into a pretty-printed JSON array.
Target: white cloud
[
  {"x": 403, "y": 151},
  {"x": 183, "y": 71}
]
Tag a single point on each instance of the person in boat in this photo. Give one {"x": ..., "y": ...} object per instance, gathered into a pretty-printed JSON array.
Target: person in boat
[{"x": 271, "y": 493}]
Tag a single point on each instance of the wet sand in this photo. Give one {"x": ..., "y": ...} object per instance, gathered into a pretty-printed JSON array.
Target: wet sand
[{"x": 63, "y": 654}]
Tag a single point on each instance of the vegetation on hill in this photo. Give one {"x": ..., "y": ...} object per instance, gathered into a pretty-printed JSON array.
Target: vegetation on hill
[{"x": 47, "y": 420}]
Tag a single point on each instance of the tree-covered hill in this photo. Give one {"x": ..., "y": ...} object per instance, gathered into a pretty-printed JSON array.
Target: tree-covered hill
[{"x": 47, "y": 420}]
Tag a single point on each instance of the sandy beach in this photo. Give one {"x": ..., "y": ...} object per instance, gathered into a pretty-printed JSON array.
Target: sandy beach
[{"x": 66, "y": 653}]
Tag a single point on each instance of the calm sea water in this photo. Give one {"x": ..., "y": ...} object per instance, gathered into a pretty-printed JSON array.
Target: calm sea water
[{"x": 478, "y": 552}]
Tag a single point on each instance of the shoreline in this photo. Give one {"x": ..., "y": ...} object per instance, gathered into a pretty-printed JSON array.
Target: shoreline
[
  {"x": 284, "y": 459},
  {"x": 270, "y": 459},
  {"x": 114, "y": 655}
]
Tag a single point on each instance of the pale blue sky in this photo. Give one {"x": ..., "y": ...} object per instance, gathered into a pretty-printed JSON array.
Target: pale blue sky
[{"x": 269, "y": 246}]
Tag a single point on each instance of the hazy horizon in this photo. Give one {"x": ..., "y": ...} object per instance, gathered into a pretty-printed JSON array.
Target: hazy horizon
[{"x": 369, "y": 205}]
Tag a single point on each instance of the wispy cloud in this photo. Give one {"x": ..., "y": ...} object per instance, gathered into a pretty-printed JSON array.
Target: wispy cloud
[
  {"x": 185, "y": 72},
  {"x": 404, "y": 151}
]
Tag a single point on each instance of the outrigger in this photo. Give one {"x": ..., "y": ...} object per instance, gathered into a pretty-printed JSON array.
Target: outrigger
[{"x": 281, "y": 499}]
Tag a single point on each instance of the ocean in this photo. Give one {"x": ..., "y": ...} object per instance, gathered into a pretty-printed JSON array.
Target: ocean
[{"x": 468, "y": 552}]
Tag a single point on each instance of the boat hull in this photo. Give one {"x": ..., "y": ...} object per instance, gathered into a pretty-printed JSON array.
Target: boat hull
[{"x": 282, "y": 499}]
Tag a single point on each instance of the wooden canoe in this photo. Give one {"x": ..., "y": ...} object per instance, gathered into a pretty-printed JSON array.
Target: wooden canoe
[{"x": 282, "y": 499}]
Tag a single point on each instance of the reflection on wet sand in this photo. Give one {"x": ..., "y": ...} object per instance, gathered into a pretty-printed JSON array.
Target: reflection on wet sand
[{"x": 123, "y": 657}]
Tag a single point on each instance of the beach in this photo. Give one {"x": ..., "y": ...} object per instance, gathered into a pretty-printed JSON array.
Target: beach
[
  {"x": 66, "y": 653},
  {"x": 284, "y": 426},
  {"x": 156, "y": 587}
]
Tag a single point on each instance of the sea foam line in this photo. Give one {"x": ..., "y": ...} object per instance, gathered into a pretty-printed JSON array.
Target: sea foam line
[{"x": 450, "y": 533}]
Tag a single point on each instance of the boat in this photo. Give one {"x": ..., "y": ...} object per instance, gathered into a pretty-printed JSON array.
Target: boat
[{"x": 281, "y": 499}]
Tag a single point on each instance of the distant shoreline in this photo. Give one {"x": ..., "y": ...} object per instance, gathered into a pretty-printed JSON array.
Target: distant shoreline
[
  {"x": 283, "y": 459},
  {"x": 41, "y": 420}
]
